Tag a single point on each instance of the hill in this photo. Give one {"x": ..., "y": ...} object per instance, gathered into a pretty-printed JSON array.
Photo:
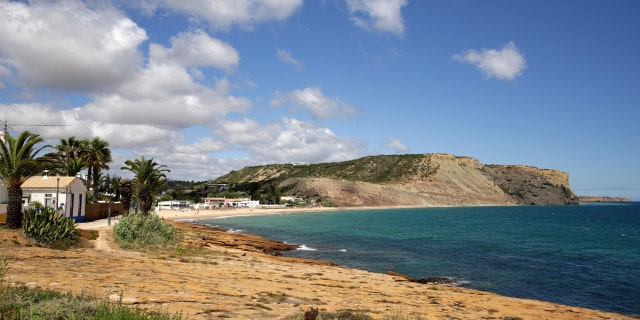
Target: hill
[{"x": 419, "y": 180}]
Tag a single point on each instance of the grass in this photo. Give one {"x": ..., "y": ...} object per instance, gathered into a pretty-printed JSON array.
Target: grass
[{"x": 18, "y": 303}]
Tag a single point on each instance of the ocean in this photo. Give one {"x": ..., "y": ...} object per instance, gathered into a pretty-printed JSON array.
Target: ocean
[{"x": 586, "y": 255}]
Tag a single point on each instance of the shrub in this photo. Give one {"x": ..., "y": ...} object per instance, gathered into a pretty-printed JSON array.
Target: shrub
[
  {"x": 47, "y": 226},
  {"x": 4, "y": 267},
  {"x": 136, "y": 229},
  {"x": 22, "y": 303}
]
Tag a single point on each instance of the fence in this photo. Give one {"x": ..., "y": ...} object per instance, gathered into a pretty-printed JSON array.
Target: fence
[{"x": 97, "y": 211}]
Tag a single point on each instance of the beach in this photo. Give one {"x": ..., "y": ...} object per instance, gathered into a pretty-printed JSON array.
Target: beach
[{"x": 227, "y": 282}]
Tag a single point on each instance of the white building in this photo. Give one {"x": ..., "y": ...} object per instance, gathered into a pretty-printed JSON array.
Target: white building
[
  {"x": 174, "y": 205},
  {"x": 68, "y": 194},
  {"x": 229, "y": 203}
]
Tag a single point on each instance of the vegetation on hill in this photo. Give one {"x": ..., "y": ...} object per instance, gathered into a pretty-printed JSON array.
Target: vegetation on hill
[{"x": 372, "y": 169}]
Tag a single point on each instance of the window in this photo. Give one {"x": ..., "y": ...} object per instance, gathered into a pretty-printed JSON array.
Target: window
[{"x": 73, "y": 202}]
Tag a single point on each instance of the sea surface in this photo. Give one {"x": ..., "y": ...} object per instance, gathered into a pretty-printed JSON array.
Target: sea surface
[{"x": 586, "y": 255}]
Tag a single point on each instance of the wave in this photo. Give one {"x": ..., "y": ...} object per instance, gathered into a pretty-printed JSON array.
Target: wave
[{"x": 305, "y": 248}]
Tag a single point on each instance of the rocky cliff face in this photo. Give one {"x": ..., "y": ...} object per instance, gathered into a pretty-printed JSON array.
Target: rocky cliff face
[
  {"x": 530, "y": 185},
  {"x": 417, "y": 180}
]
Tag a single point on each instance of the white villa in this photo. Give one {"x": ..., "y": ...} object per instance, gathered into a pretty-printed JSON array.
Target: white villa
[{"x": 68, "y": 194}]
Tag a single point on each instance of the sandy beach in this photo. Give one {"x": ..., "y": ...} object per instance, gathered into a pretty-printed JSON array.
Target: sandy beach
[{"x": 219, "y": 281}]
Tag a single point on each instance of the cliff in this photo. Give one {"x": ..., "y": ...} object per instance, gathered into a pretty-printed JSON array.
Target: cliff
[
  {"x": 602, "y": 199},
  {"x": 419, "y": 180}
]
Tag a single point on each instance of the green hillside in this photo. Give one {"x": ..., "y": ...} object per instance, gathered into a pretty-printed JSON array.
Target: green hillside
[{"x": 373, "y": 169}]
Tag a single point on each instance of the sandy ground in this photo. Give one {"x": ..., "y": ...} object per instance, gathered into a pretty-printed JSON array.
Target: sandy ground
[{"x": 221, "y": 282}]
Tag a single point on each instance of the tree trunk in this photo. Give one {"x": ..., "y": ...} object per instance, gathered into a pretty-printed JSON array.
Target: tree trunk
[
  {"x": 14, "y": 208},
  {"x": 145, "y": 200},
  {"x": 126, "y": 192},
  {"x": 96, "y": 183}
]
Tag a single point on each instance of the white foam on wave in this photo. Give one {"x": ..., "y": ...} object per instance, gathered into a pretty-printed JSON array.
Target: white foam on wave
[
  {"x": 305, "y": 248},
  {"x": 343, "y": 250},
  {"x": 234, "y": 231}
]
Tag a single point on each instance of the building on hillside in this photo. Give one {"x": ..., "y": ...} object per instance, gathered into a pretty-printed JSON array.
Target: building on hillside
[{"x": 68, "y": 194}]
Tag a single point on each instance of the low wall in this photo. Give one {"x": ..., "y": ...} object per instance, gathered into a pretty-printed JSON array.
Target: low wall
[{"x": 97, "y": 211}]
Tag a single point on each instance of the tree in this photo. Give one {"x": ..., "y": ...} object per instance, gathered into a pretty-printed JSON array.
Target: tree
[
  {"x": 18, "y": 161},
  {"x": 114, "y": 187},
  {"x": 149, "y": 179},
  {"x": 97, "y": 155},
  {"x": 65, "y": 160},
  {"x": 126, "y": 192}
]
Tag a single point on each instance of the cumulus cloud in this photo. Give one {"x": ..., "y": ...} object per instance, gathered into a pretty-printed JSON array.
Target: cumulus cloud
[
  {"x": 68, "y": 45},
  {"x": 224, "y": 14},
  {"x": 195, "y": 49},
  {"x": 378, "y": 15},
  {"x": 291, "y": 140},
  {"x": 504, "y": 64},
  {"x": 149, "y": 103},
  {"x": 396, "y": 145},
  {"x": 285, "y": 56},
  {"x": 313, "y": 100}
]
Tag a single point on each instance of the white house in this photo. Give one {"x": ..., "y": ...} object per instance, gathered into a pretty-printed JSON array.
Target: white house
[{"x": 68, "y": 194}]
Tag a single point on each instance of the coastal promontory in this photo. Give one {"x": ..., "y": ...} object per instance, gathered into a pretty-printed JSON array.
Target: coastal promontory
[{"x": 412, "y": 180}]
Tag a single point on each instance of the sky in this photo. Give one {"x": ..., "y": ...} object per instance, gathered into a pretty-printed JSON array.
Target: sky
[{"x": 205, "y": 87}]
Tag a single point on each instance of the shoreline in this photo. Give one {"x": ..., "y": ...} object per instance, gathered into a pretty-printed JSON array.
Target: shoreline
[{"x": 517, "y": 307}]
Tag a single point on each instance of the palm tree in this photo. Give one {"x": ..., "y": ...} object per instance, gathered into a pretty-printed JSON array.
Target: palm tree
[
  {"x": 18, "y": 161},
  {"x": 97, "y": 155},
  {"x": 66, "y": 159},
  {"x": 126, "y": 191},
  {"x": 149, "y": 178},
  {"x": 114, "y": 187}
]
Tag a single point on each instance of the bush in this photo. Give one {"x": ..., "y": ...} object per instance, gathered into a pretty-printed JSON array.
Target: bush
[
  {"x": 136, "y": 229},
  {"x": 22, "y": 303},
  {"x": 47, "y": 226},
  {"x": 4, "y": 267}
]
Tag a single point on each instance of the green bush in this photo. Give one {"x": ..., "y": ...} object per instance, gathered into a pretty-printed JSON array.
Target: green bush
[
  {"x": 136, "y": 229},
  {"x": 23, "y": 303},
  {"x": 47, "y": 226},
  {"x": 4, "y": 267}
]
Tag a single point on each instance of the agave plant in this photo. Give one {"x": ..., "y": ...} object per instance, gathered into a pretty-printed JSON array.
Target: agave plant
[{"x": 46, "y": 226}]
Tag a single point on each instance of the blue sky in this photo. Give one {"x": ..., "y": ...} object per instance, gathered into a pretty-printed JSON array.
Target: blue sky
[{"x": 205, "y": 87}]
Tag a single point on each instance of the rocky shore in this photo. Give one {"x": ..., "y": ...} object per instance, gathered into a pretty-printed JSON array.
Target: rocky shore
[{"x": 214, "y": 274}]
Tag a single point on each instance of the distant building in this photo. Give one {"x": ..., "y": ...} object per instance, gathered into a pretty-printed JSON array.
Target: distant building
[
  {"x": 174, "y": 205},
  {"x": 231, "y": 203}
]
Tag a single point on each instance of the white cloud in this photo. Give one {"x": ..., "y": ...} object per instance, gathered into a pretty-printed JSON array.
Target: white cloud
[
  {"x": 68, "y": 45},
  {"x": 504, "y": 64},
  {"x": 312, "y": 99},
  {"x": 224, "y": 14},
  {"x": 379, "y": 15},
  {"x": 285, "y": 56},
  {"x": 195, "y": 49},
  {"x": 396, "y": 145},
  {"x": 290, "y": 141},
  {"x": 202, "y": 106},
  {"x": 149, "y": 108}
]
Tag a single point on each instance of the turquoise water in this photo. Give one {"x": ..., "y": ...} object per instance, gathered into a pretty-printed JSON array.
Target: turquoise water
[{"x": 586, "y": 255}]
